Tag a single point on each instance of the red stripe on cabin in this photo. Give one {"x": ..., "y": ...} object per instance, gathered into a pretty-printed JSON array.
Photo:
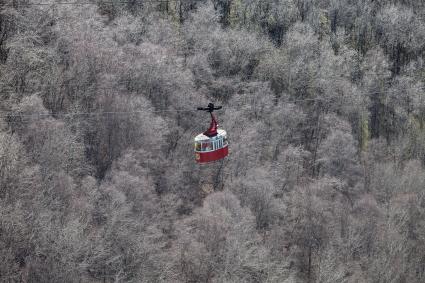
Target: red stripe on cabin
[{"x": 209, "y": 156}]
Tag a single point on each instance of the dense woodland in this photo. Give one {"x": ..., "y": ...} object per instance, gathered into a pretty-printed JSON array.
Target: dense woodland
[{"x": 324, "y": 104}]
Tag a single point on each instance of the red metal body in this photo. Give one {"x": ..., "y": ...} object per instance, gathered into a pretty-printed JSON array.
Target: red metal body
[{"x": 209, "y": 156}]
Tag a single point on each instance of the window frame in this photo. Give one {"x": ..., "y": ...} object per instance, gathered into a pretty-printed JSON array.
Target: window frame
[{"x": 212, "y": 144}]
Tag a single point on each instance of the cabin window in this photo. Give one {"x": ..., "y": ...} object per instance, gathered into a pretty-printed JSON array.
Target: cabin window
[
  {"x": 206, "y": 146},
  {"x": 197, "y": 146},
  {"x": 220, "y": 143}
]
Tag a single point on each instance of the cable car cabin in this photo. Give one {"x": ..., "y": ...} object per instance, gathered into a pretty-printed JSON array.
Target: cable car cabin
[
  {"x": 211, "y": 145},
  {"x": 209, "y": 149}
]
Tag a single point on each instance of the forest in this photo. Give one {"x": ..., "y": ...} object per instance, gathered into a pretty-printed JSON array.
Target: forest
[{"x": 324, "y": 105}]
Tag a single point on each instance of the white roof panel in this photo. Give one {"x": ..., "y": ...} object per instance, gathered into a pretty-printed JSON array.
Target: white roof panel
[{"x": 202, "y": 137}]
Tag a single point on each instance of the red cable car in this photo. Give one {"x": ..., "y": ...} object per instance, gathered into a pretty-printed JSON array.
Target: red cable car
[{"x": 211, "y": 145}]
